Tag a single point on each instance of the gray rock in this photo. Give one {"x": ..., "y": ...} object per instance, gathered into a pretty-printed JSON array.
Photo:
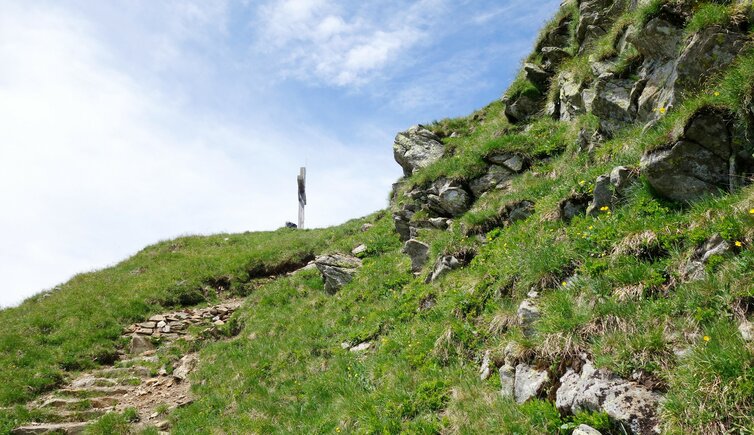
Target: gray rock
[
  {"x": 140, "y": 344},
  {"x": 497, "y": 177},
  {"x": 417, "y": 148},
  {"x": 485, "y": 369},
  {"x": 337, "y": 270},
  {"x": 583, "y": 429},
  {"x": 523, "y": 107},
  {"x": 418, "y": 251},
  {"x": 361, "y": 347},
  {"x": 603, "y": 196},
  {"x": 612, "y": 102},
  {"x": 657, "y": 40},
  {"x": 573, "y": 206},
  {"x": 443, "y": 265},
  {"x": 594, "y": 390},
  {"x": 697, "y": 163},
  {"x": 507, "y": 380},
  {"x": 185, "y": 366},
  {"x": 518, "y": 210},
  {"x": 595, "y": 18},
  {"x": 528, "y": 313},
  {"x": 559, "y": 36},
  {"x": 529, "y": 382},
  {"x": 553, "y": 56},
  {"x": 438, "y": 223},
  {"x": 513, "y": 162},
  {"x": 571, "y": 98},
  {"x": 537, "y": 76},
  {"x": 402, "y": 222},
  {"x": 621, "y": 177},
  {"x": 448, "y": 198},
  {"x": 746, "y": 329},
  {"x": 694, "y": 269},
  {"x": 366, "y": 227},
  {"x": 361, "y": 249}
]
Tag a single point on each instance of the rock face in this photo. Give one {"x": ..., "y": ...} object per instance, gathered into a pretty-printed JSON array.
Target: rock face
[
  {"x": 140, "y": 344},
  {"x": 418, "y": 251},
  {"x": 417, "y": 148},
  {"x": 522, "y": 107},
  {"x": 337, "y": 270},
  {"x": 700, "y": 161},
  {"x": 629, "y": 403}
]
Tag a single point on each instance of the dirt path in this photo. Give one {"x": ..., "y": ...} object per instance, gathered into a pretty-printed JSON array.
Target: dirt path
[{"x": 147, "y": 380}]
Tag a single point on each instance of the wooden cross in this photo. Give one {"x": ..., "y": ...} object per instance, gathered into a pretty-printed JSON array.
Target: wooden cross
[{"x": 301, "y": 196}]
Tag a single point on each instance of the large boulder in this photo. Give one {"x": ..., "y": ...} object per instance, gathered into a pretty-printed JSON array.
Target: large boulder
[
  {"x": 593, "y": 390},
  {"x": 697, "y": 162},
  {"x": 337, "y": 270},
  {"x": 417, "y": 148}
]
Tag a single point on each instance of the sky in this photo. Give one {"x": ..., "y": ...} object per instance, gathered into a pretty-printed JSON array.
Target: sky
[{"x": 127, "y": 122}]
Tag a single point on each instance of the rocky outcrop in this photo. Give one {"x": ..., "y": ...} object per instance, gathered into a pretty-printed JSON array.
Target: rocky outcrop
[
  {"x": 337, "y": 270},
  {"x": 626, "y": 402},
  {"x": 701, "y": 160},
  {"x": 417, "y": 148}
]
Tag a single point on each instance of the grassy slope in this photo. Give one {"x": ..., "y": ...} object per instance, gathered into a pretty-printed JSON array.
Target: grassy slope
[
  {"x": 286, "y": 371},
  {"x": 78, "y": 324}
]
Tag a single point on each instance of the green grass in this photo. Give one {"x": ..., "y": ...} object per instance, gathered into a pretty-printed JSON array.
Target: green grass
[{"x": 78, "y": 324}]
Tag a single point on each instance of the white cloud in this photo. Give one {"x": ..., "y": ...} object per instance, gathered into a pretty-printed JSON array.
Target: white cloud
[
  {"x": 96, "y": 163},
  {"x": 324, "y": 42}
]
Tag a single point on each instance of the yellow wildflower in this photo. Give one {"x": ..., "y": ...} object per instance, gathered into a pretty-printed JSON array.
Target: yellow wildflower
[
  {"x": 751, "y": 211},
  {"x": 717, "y": 94},
  {"x": 337, "y": 429},
  {"x": 604, "y": 208},
  {"x": 564, "y": 283},
  {"x": 582, "y": 182},
  {"x": 591, "y": 227},
  {"x": 738, "y": 243},
  {"x": 707, "y": 338}
]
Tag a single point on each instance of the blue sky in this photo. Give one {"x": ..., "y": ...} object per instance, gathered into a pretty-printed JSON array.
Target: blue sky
[{"x": 129, "y": 122}]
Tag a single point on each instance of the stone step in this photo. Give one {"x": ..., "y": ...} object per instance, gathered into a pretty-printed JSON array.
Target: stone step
[
  {"x": 80, "y": 404},
  {"x": 51, "y": 428},
  {"x": 117, "y": 372},
  {"x": 63, "y": 416},
  {"x": 91, "y": 381},
  {"x": 89, "y": 392}
]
